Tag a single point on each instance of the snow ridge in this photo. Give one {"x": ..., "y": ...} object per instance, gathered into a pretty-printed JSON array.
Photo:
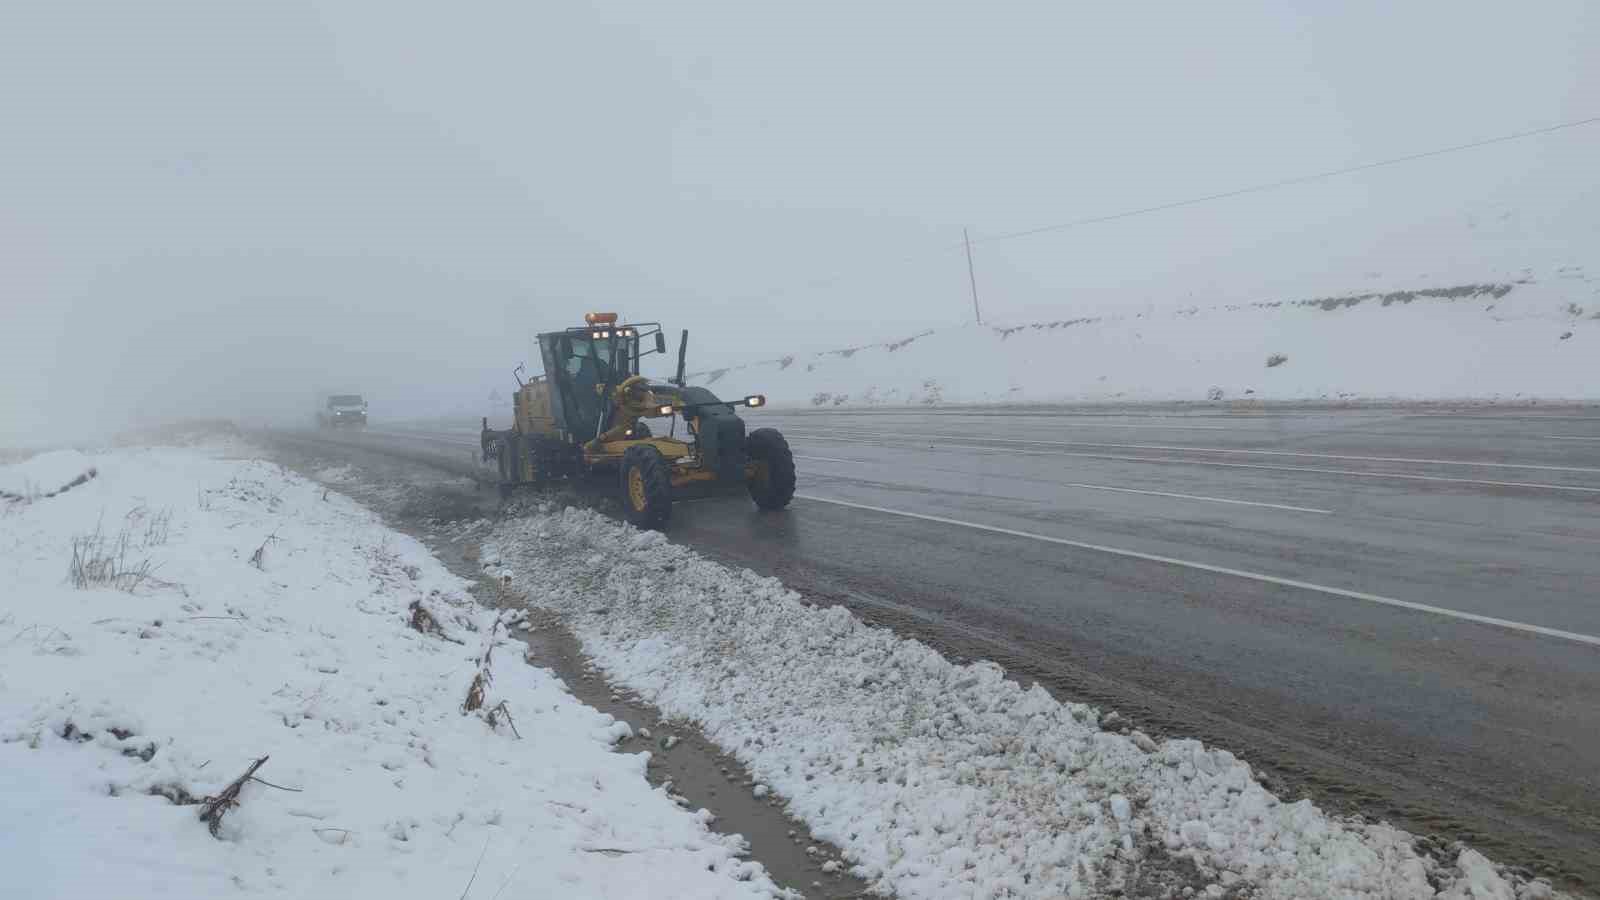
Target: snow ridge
[{"x": 941, "y": 780}]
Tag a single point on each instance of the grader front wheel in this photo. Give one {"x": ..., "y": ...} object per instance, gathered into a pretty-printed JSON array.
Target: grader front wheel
[
  {"x": 772, "y": 484},
  {"x": 506, "y": 458},
  {"x": 646, "y": 487}
]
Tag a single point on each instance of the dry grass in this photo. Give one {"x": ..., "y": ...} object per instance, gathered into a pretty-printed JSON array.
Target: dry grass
[
  {"x": 475, "y": 692},
  {"x": 155, "y": 526},
  {"x": 102, "y": 561}
]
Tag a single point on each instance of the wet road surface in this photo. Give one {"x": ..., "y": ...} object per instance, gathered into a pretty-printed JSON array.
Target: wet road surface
[{"x": 1395, "y": 611}]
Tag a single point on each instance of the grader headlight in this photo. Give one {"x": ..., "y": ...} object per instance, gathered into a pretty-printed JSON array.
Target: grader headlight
[
  {"x": 664, "y": 409},
  {"x": 755, "y": 400}
]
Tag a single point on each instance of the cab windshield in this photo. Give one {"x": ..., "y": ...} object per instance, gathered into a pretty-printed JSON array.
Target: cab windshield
[{"x": 601, "y": 360}]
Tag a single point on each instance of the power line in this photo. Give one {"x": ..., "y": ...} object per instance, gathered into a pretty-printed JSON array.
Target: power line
[
  {"x": 1286, "y": 182},
  {"x": 828, "y": 281}
]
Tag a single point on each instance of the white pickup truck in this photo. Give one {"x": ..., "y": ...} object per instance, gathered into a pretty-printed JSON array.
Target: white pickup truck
[{"x": 343, "y": 411}]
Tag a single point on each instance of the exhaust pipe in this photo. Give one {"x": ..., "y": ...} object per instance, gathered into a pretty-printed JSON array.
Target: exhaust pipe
[{"x": 683, "y": 347}]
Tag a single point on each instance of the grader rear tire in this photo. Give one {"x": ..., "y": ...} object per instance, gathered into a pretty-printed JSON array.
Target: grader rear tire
[{"x": 646, "y": 488}]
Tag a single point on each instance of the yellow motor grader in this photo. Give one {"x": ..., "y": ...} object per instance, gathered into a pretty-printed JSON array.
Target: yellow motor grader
[{"x": 587, "y": 413}]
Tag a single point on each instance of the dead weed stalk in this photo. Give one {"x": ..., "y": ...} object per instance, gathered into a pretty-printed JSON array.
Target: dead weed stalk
[
  {"x": 258, "y": 558},
  {"x": 102, "y": 561}
]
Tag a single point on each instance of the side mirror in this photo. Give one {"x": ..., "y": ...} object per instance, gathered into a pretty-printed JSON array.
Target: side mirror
[{"x": 661, "y": 342}]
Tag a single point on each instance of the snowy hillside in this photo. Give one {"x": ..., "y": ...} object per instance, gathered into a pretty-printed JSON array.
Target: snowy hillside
[{"x": 1528, "y": 337}]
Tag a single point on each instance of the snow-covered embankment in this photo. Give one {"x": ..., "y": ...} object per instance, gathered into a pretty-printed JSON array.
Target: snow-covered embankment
[{"x": 183, "y": 614}]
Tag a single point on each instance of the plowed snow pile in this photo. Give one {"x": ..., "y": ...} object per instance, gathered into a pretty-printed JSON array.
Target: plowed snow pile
[
  {"x": 46, "y": 473},
  {"x": 228, "y": 612},
  {"x": 941, "y": 780}
]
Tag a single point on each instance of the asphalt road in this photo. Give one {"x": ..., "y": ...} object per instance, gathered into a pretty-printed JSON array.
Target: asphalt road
[{"x": 1395, "y": 611}]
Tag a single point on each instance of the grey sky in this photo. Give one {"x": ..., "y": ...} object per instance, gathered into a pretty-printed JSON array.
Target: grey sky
[{"x": 213, "y": 208}]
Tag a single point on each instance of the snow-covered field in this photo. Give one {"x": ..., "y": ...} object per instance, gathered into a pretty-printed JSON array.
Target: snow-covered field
[
  {"x": 940, "y": 780},
  {"x": 230, "y": 611},
  {"x": 1530, "y": 336}
]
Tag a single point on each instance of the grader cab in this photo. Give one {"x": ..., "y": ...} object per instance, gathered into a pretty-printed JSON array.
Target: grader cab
[{"x": 587, "y": 413}]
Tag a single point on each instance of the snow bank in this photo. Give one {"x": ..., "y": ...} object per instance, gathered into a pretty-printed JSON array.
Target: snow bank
[
  {"x": 941, "y": 780},
  {"x": 1520, "y": 338},
  {"x": 117, "y": 709},
  {"x": 43, "y": 474}
]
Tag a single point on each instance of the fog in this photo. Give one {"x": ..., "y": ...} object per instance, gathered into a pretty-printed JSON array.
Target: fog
[{"x": 223, "y": 208}]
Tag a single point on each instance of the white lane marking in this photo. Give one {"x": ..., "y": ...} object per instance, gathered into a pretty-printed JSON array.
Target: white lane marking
[
  {"x": 1182, "y": 449},
  {"x": 1569, "y": 437},
  {"x": 1104, "y": 487},
  {"x": 1073, "y": 423},
  {"x": 1492, "y": 418},
  {"x": 1402, "y": 476},
  {"x": 1224, "y": 570},
  {"x": 1120, "y": 490}
]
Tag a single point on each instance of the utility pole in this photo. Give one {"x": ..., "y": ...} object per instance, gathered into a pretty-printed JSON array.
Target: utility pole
[{"x": 971, "y": 276}]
